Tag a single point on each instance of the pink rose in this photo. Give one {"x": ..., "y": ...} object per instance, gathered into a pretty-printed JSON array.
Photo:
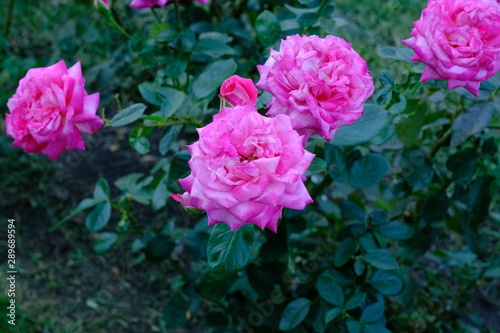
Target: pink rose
[
  {"x": 245, "y": 168},
  {"x": 459, "y": 41},
  {"x": 140, "y": 4},
  {"x": 321, "y": 83},
  {"x": 239, "y": 91},
  {"x": 50, "y": 109}
]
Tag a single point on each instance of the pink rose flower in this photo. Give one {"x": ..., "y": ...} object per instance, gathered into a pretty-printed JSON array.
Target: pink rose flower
[
  {"x": 321, "y": 83},
  {"x": 140, "y": 4},
  {"x": 459, "y": 41},
  {"x": 245, "y": 168},
  {"x": 50, "y": 109},
  {"x": 239, "y": 91}
]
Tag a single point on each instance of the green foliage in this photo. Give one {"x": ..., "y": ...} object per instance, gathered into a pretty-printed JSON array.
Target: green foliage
[
  {"x": 371, "y": 122},
  {"x": 128, "y": 115},
  {"x": 402, "y": 234},
  {"x": 229, "y": 251},
  {"x": 294, "y": 314}
]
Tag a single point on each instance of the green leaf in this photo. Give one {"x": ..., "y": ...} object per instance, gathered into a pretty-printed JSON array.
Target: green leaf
[
  {"x": 373, "y": 312},
  {"x": 317, "y": 165},
  {"x": 87, "y": 203},
  {"x": 150, "y": 92},
  {"x": 179, "y": 168},
  {"x": 212, "y": 47},
  {"x": 174, "y": 66},
  {"x": 396, "y": 53},
  {"x": 135, "y": 188},
  {"x": 159, "y": 248},
  {"x": 367, "y": 242},
  {"x": 318, "y": 314},
  {"x": 470, "y": 122},
  {"x": 173, "y": 99},
  {"x": 337, "y": 168},
  {"x": 399, "y": 104},
  {"x": 212, "y": 77},
  {"x": 267, "y": 28},
  {"x": 84, "y": 204},
  {"x": 294, "y": 313},
  {"x": 386, "y": 283},
  {"x": 417, "y": 168},
  {"x": 167, "y": 35},
  {"x": 197, "y": 242},
  {"x": 160, "y": 194},
  {"x": 386, "y": 78},
  {"x": 128, "y": 115},
  {"x": 374, "y": 118},
  {"x": 329, "y": 290},
  {"x": 308, "y": 19},
  {"x": 396, "y": 230},
  {"x": 300, "y": 10},
  {"x": 229, "y": 251},
  {"x": 354, "y": 326},
  {"x": 101, "y": 190},
  {"x": 105, "y": 242},
  {"x": 367, "y": 171},
  {"x": 328, "y": 25},
  {"x": 378, "y": 217},
  {"x": 492, "y": 273},
  {"x": 344, "y": 252},
  {"x": 332, "y": 314},
  {"x": 138, "y": 139},
  {"x": 375, "y": 329},
  {"x": 359, "y": 267},
  {"x": 381, "y": 259},
  {"x": 175, "y": 311},
  {"x": 353, "y": 210},
  {"x": 157, "y": 28},
  {"x": 489, "y": 147},
  {"x": 476, "y": 197},
  {"x": 463, "y": 165},
  {"x": 409, "y": 130},
  {"x": 435, "y": 208},
  {"x": 355, "y": 301},
  {"x": 98, "y": 217},
  {"x": 169, "y": 138}
]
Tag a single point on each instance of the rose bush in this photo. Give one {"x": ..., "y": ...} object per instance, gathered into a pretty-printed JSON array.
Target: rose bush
[
  {"x": 245, "y": 168},
  {"x": 140, "y": 4},
  {"x": 321, "y": 83},
  {"x": 458, "y": 41},
  {"x": 239, "y": 91},
  {"x": 411, "y": 186},
  {"x": 51, "y": 109}
]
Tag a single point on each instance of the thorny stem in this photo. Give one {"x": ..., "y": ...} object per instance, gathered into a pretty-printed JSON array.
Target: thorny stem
[
  {"x": 133, "y": 220},
  {"x": 117, "y": 25},
  {"x": 175, "y": 122},
  {"x": 178, "y": 14},
  {"x": 156, "y": 14},
  {"x": 440, "y": 142},
  {"x": 176, "y": 83}
]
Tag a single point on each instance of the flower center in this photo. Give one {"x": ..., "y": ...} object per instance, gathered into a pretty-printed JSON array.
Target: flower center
[{"x": 248, "y": 158}]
